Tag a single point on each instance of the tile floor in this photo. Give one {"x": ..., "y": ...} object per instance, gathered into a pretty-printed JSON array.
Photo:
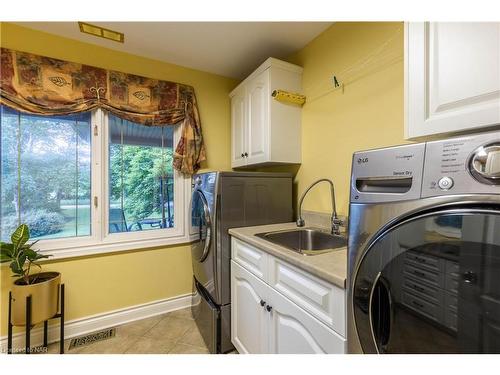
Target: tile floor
[{"x": 172, "y": 333}]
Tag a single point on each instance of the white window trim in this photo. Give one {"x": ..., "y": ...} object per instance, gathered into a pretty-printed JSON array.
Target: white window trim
[{"x": 100, "y": 241}]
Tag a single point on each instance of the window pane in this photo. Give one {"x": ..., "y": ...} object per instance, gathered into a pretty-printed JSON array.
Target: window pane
[
  {"x": 45, "y": 174},
  {"x": 141, "y": 182}
]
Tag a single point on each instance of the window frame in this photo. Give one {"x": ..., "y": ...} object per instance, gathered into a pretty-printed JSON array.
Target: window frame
[{"x": 102, "y": 242}]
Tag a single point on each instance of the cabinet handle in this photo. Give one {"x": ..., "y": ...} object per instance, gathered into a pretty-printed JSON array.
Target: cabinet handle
[
  {"x": 469, "y": 277},
  {"x": 246, "y": 154},
  {"x": 269, "y": 308},
  {"x": 262, "y": 302}
]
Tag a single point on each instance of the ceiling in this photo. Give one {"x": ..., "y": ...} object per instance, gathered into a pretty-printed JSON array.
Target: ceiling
[{"x": 231, "y": 49}]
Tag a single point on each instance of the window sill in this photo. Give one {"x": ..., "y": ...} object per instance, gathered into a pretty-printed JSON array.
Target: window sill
[{"x": 114, "y": 248}]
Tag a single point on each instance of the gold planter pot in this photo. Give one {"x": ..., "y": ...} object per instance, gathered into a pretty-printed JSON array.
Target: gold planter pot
[{"x": 44, "y": 298}]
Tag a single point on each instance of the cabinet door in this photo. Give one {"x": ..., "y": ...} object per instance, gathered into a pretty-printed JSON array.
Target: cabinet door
[
  {"x": 293, "y": 331},
  {"x": 452, "y": 77},
  {"x": 249, "y": 319},
  {"x": 258, "y": 119},
  {"x": 238, "y": 129}
]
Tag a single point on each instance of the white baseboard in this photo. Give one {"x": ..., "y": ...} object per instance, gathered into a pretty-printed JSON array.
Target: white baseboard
[{"x": 97, "y": 322}]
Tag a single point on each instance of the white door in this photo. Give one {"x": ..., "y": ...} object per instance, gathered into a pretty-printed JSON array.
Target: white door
[
  {"x": 294, "y": 331},
  {"x": 452, "y": 77},
  {"x": 238, "y": 158},
  {"x": 249, "y": 318},
  {"x": 258, "y": 119}
]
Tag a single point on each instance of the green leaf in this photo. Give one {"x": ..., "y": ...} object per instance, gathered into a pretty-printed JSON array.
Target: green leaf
[
  {"x": 15, "y": 269},
  {"x": 42, "y": 256},
  {"x": 20, "y": 236},
  {"x": 21, "y": 260},
  {"x": 30, "y": 254},
  {"x": 6, "y": 249},
  {"x": 5, "y": 255}
]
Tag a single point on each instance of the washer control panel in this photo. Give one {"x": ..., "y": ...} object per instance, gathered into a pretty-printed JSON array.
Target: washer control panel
[
  {"x": 462, "y": 165},
  {"x": 387, "y": 175},
  {"x": 445, "y": 183}
]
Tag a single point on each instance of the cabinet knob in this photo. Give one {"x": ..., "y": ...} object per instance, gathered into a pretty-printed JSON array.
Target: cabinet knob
[
  {"x": 242, "y": 155},
  {"x": 262, "y": 302},
  {"x": 269, "y": 308},
  {"x": 469, "y": 277},
  {"x": 246, "y": 154}
]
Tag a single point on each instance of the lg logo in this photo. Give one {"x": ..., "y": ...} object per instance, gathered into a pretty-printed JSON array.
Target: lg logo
[{"x": 362, "y": 160}]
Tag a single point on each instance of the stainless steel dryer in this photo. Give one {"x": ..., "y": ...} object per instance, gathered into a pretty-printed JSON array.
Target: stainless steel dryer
[
  {"x": 424, "y": 248},
  {"x": 220, "y": 201}
]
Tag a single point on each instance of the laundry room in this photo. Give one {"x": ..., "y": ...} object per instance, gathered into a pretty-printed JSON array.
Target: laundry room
[{"x": 272, "y": 185}]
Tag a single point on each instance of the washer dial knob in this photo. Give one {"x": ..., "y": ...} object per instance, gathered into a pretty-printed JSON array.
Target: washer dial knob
[{"x": 484, "y": 164}]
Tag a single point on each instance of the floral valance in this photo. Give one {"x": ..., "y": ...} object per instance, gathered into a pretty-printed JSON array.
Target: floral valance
[{"x": 46, "y": 86}]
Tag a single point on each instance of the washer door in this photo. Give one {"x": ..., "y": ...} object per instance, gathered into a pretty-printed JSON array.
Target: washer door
[
  {"x": 202, "y": 253},
  {"x": 200, "y": 216},
  {"x": 431, "y": 284}
]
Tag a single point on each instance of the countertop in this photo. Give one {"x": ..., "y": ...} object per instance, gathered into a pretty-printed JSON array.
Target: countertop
[{"x": 331, "y": 266}]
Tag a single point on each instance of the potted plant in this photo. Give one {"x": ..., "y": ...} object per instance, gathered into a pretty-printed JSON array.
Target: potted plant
[{"x": 43, "y": 286}]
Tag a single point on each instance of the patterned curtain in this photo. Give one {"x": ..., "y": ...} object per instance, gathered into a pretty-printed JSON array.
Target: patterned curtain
[{"x": 46, "y": 86}]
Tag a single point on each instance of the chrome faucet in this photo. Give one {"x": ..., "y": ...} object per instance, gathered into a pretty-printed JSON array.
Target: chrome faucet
[{"x": 335, "y": 221}]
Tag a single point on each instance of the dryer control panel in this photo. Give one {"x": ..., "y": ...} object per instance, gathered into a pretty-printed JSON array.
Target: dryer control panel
[{"x": 462, "y": 165}]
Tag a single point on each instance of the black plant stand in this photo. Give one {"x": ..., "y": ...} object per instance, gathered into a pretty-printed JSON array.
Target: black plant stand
[{"x": 29, "y": 326}]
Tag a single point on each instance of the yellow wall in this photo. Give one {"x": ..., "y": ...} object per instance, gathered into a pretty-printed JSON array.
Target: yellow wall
[
  {"x": 107, "y": 282},
  {"x": 369, "y": 114}
]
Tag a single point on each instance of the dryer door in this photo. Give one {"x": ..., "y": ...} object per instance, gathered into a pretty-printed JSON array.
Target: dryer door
[
  {"x": 431, "y": 284},
  {"x": 201, "y": 249}
]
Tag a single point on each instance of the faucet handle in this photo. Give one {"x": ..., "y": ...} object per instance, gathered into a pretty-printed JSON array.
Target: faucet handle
[
  {"x": 336, "y": 224},
  {"x": 337, "y": 221}
]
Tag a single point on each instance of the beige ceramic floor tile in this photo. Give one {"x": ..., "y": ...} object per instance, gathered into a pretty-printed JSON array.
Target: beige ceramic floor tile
[
  {"x": 170, "y": 328},
  {"x": 193, "y": 337},
  {"x": 183, "y": 314},
  {"x": 140, "y": 327},
  {"x": 116, "y": 345},
  {"x": 54, "y": 347},
  {"x": 148, "y": 345},
  {"x": 188, "y": 349},
  {"x": 175, "y": 333}
]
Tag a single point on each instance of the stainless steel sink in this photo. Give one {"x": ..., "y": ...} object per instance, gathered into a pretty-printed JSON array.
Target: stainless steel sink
[{"x": 307, "y": 241}]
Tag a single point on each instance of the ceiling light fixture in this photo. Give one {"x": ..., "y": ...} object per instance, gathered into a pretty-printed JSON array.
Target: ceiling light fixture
[{"x": 101, "y": 32}]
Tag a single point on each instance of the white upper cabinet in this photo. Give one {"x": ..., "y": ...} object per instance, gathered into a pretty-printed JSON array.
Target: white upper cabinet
[
  {"x": 265, "y": 131},
  {"x": 452, "y": 77},
  {"x": 238, "y": 128}
]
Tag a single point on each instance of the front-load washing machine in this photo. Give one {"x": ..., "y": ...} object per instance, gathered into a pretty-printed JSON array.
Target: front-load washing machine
[{"x": 424, "y": 248}]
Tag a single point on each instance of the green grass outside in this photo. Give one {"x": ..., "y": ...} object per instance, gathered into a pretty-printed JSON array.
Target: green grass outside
[{"x": 70, "y": 227}]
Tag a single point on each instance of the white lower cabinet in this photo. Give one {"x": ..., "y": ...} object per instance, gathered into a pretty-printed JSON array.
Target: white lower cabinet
[
  {"x": 294, "y": 331},
  {"x": 265, "y": 321},
  {"x": 248, "y": 314}
]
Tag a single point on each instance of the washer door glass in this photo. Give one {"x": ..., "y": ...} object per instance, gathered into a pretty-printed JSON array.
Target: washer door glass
[
  {"x": 432, "y": 285},
  {"x": 200, "y": 217}
]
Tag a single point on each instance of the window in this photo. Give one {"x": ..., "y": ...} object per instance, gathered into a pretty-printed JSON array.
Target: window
[
  {"x": 45, "y": 174},
  {"x": 90, "y": 182},
  {"x": 140, "y": 176}
]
